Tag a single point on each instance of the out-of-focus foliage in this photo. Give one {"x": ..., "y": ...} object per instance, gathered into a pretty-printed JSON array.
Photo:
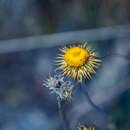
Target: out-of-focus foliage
[
  {"x": 121, "y": 113},
  {"x": 19, "y": 18}
]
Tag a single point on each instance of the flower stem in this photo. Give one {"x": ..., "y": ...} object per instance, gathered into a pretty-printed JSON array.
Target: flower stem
[
  {"x": 76, "y": 85},
  {"x": 62, "y": 114}
]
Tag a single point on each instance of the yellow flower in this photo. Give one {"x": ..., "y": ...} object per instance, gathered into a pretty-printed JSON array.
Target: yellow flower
[
  {"x": 78, "y": 61},
  {"x": 89, "y": 128}
]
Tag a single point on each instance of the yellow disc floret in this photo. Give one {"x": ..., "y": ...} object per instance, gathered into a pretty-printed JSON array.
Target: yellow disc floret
[
  {"x": 78, "y": 61},
  {"x": 76, "y": 56}
]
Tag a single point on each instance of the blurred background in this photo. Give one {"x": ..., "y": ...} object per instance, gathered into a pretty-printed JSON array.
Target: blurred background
[{"x": 31, "y": 33}]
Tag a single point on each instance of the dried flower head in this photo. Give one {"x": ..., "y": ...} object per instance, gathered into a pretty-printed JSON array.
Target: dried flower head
[
  {"x": 57, "y": 84},
  {"x": 78, "y": 61}
]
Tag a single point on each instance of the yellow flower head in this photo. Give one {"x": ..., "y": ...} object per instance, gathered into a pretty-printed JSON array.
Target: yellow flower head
[{"x": 78, "y": 61}]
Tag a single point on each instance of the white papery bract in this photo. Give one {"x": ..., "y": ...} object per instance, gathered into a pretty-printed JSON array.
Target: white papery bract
[{"x": 58, "y": 85}]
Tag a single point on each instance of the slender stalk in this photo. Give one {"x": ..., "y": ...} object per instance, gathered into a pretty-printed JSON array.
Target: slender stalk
[
  {"x": 91, "y": 102},
  {"x": 76, "y": 85},
  {"x": 62, "y": 114}
]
